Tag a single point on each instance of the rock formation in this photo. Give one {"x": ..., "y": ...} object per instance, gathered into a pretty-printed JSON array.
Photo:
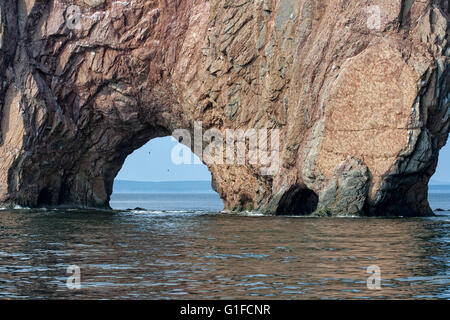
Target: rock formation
[{"x": 359, "y": 91}]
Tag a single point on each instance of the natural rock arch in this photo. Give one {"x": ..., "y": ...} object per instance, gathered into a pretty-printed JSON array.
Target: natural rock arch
[{"x": 362, "y": 108}]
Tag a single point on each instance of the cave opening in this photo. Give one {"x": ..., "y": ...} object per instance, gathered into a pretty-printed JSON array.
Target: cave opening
[
  {"x": 165, "y": 175},
  {"x": 44, "y": 198},
  {"x": 298, "y": 201}
]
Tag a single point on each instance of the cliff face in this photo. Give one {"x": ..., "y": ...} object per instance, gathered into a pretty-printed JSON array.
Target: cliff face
[{"x": 359, "y": 91}]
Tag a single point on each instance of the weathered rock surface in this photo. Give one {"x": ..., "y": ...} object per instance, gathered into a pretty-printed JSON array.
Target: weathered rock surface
[{"x": 362, "y": 103}]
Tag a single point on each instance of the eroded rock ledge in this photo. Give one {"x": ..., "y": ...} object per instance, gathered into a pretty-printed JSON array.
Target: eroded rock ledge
[{"x": 362, "y": 104}]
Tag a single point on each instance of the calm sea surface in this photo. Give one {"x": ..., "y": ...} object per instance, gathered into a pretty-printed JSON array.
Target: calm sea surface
[{"x": 179, "y": 247}]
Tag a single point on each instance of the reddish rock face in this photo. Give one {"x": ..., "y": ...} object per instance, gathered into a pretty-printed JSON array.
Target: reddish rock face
[{"x": 357, "y": 90}]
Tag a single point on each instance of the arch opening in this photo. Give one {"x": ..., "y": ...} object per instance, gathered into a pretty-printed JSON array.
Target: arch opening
[
  {"x": 439, "y": 184},
  {"x": 298, "y": 201},
  {"x": 153, "y": 178},
  {"x": 442, "y": 174}
]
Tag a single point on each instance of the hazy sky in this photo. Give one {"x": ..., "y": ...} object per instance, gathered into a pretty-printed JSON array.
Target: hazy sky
[
  {"x": 443, "y": 170},
  {"x": 153, "y": 162}
]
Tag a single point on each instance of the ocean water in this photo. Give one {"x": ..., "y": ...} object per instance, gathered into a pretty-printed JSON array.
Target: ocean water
[
  {"x": 180, "y": 247},
  {"x": 180, "y": 202}
]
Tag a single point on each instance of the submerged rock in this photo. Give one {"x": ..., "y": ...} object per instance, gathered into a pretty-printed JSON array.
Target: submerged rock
[{"x": 359, "y": 92}]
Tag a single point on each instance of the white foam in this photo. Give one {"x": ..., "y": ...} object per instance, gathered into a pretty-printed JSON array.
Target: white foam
[
  {"x": 17, "y": 207},
  {"x": 251, "y": 214}
]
